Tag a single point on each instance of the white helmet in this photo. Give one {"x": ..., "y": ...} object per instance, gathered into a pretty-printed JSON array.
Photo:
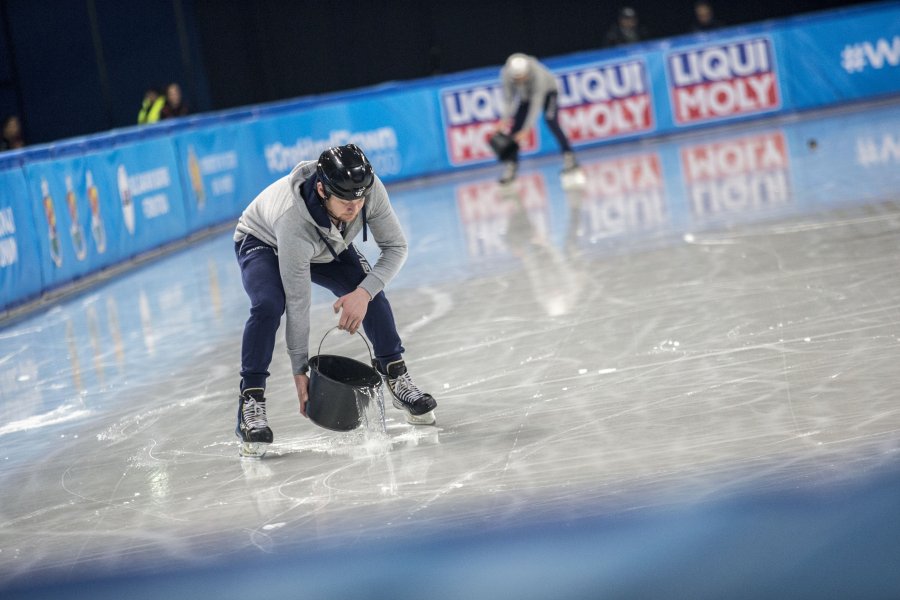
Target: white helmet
[{"x": 517, "y": 65}]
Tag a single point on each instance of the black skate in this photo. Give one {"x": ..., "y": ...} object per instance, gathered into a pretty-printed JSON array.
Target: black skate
[
  {"x": 252, "y": 425},
  {"x": 418, "y": 406}
]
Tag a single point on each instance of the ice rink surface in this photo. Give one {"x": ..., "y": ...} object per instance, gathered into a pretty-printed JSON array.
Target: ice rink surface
[{"x": 678, "y": 379}]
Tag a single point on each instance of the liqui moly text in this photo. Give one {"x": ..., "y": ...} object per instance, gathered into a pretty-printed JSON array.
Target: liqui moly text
[
  {"x": 603, "y": 102},
  {"x": 723, "y": 81}
]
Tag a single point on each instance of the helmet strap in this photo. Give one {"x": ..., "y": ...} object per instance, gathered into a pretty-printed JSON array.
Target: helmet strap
[
  {"x": 322, "y": 198},
  {"x": 324, "y": 202}
]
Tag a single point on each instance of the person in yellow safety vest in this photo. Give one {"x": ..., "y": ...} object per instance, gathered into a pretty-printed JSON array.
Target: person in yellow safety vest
[{"x": 151, "y": 106}]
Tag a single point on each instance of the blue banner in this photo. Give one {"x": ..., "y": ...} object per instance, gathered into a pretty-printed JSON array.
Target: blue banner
[
  {"x": 830, "y": 61},
  {"x": 98, "y": 209},
  {"x": 146, "y": 185},
  {"x": 20, "y": 268},
  {"x": 216, "y": 170},
  {"x": 71, "y": 220},
  {"x": 397, "y": 129}
]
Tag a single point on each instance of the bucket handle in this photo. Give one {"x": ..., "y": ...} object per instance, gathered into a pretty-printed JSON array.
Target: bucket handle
[{"x": 369, "y": 348}]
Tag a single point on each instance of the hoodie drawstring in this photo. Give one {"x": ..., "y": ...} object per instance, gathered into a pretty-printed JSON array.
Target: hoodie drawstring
[
  {"x": 365, "y": 229},
  {"x": 330, "y": 249}
]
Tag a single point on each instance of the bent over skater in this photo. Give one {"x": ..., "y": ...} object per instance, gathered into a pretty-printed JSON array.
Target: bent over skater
[
  {"x": 300, "y": 231},
  {"x": 529, "y": 89}
]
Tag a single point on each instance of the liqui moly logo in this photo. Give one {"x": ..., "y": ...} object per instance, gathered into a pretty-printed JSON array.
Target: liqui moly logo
[
  {"x": 724, "y": 81},
  {"x": 623, "y": 195},
  {"x": 605, "y": 102},
  {"x": 485, "y": 210},
  {"x": 744, "y": 174},
  {"x": 470, "y": 115}
]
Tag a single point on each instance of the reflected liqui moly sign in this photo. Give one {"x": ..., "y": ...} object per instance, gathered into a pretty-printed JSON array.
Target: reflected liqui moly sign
[
  {"x": 624, "y": 194},
  {"x": 722, "y": 81},
  {"x": 737, "y": 175},
  {"x": 485, "y": 210}
]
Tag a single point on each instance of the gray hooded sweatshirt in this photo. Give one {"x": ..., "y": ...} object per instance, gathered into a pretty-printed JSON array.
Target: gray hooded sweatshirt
[
  {"x": 533, "y": 89},
  {"x": 279, "y": 217}
]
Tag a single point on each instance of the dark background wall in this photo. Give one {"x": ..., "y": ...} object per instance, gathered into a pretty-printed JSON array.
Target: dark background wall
[{"x": 73, "y": 67}]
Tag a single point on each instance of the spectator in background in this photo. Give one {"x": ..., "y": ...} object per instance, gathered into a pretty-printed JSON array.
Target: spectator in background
[
  {"x": 704, "y": 17},
  {"x": 174, "y": 104},
  {"x": 151, "y": 107},
  {"x": 12, "y": 134},
  {"x": 626, "y": 30}
]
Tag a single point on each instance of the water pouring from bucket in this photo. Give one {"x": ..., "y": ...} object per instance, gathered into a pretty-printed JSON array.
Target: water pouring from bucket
[{"x": 344, "y": 393}]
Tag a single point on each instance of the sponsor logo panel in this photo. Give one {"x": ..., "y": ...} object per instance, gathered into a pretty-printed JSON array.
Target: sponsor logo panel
[
  {"x": 722, "y": 81},
  {"x": 470, "y": 115},
  {"x": 605, "y": 101},
  {"x": 596, "y": 102}
]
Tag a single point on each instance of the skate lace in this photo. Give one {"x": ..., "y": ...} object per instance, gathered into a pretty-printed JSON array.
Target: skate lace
[
  {"x": 255, "y": 414},
  {"x": 404, "y": 389}
]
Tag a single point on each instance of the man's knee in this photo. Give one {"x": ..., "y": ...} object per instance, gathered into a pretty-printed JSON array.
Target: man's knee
[
  {"x": 379, "y": 307},
  {"x": 268, "y": 307}
]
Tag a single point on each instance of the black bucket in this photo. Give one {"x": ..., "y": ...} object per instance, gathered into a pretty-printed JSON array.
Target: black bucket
[
  {"x": 504, "y": 145},
  {"x": 340, "y": 389}
]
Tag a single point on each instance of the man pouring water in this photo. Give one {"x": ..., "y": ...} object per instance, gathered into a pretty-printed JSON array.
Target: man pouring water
[{"x": 299, "y": 231}]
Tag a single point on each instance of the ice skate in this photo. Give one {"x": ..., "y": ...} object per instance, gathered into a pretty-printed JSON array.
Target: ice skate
[
  {"x": 572, "y": 176},
  {"x": 252, "y": 425},
  {"x": 418, "y": 406},
  {"x": 510, "y": 169}
]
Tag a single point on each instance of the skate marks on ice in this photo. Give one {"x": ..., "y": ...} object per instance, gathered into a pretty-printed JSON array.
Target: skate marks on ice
[
  {"x": 138, "y": 497},
  {"x": 763, "y": 351},
  {"x": 326, "y": 487},
  {"x": 680, "y": 374},
  {"x": 755, "y": 357}
]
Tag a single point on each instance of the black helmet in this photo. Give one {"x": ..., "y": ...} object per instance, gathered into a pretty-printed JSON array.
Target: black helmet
[{"x": 345, "y": 172}]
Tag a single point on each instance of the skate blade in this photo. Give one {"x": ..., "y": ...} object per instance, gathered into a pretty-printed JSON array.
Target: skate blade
[
  {"x": 253, "y": 449},
  {"x": 574, "y": 179},
  {"x": 425, "y": 419}
]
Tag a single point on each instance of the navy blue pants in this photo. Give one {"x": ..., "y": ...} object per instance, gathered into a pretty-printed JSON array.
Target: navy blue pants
[
  {"x": 262, "y": 282},
  {"x": 551, "y": 116}
]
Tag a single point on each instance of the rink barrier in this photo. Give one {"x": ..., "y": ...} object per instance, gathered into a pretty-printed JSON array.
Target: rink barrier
[{"x": 73, "y": 208}]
